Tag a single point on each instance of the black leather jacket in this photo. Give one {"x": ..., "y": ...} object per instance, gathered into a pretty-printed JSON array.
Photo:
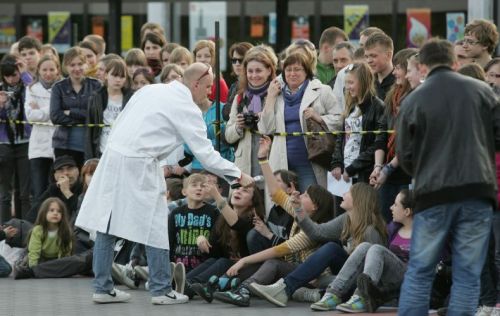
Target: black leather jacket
[
  {"x": 372, "y": 110},
  {"x": 97, "y": 104},
  {"x": 447, "y": 132}
]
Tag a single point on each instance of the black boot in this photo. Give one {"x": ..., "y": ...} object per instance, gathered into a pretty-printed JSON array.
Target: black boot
[
  {"x": 23, "y": 273},
  {"x": 373, "y": 295}
]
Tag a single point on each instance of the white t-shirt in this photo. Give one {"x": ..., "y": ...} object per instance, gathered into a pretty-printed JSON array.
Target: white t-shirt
[
  {"x": 353, "y": 123},
  {"x": 109, "y": 116}
]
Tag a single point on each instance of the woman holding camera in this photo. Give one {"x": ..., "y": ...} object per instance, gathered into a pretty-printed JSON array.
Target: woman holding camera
[
  {"x": 286, "y": 110},
  {"x": 259, "y": 69}
]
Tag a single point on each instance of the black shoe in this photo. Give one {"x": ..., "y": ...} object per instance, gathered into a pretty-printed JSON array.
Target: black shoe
[
  {"x": 442, "y": 311},
  {"x": 23, "y": 273},
  {"x": 238, "y": 297},
  {"x": 374, "y": 297},
  {"x": 207, "y": 291}
]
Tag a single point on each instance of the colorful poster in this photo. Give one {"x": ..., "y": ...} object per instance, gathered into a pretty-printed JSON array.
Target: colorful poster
[
  {"x": 98, "y": 25},
  {"x": 418, "y": 27},
  {"x": 127, "y": 33},
  {"x": 202, "y": 18},
  {"x": 356, "y": 19},
  {"x": 257, "y": 27},
  {"x": 60, "y": 30},
  {"x": 273, "y": 29},
  {"x": 7, "y": 33},
  {"x": 300, "y": 28},
  {"x": 455, "y": 25},
  {"x": 35, "y": 29}
]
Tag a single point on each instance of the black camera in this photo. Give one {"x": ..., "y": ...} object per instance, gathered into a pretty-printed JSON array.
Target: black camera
[{"x": 250, "y": 119}]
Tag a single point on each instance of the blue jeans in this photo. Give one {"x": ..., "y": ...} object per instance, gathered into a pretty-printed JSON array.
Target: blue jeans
[
  {"x": 158, "y": 264},
  {"x": 305, "y": 174},
  {"x": 330, "y": 255},
  {"x": 467, "y": 225},
  {"x": 5, "y": 268},
  {"x": 256, "y": 242}
]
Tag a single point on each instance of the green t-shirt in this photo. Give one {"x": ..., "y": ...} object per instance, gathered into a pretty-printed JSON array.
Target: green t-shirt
[
  {"x": 46, "y": 249},
  {"x": 325, "y": 72}
]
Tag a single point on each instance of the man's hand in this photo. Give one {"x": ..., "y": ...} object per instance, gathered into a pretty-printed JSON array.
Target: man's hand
[
  {"x": 64, "y": 185},
  {"x": 246, "y": 180}
]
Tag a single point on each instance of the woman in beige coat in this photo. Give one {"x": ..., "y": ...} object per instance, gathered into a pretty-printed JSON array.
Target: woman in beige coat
[
  {"x": 286, "y": 110},
  {"x": 259, "y": 69}
]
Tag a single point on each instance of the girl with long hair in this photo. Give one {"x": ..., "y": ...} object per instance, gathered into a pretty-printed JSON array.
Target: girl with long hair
[
  {"x": 362, "y": 222},
  {"x": 51, "y": 236}
]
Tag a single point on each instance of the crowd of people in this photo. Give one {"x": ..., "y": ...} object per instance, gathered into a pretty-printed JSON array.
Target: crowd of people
[{"x": 232, "y": 209}]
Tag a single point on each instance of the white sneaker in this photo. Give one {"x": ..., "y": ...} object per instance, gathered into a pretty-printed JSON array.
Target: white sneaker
[
  {"x": 115, "y": 296},
  {"x": 484, "y": 310},
  {"x": 179, "y": 274},
  {"x": 169, "y": 299},
  {"x": 274, "y": 293}
]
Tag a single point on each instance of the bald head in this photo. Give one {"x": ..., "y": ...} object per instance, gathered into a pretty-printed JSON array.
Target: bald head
[
  {"x": 198, "y": 77},
  {"x": 195, "y": 71}
]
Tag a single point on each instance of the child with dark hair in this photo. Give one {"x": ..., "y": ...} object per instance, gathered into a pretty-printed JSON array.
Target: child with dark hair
[
  {"x": 14, "y": 140},
  {"x": 51, "y": 237},
  {"x": 104, "y": 107}
]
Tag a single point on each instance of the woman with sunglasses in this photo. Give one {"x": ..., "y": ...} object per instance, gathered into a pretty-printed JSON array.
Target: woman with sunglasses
[
  {"x": 237, "y": 53},
  {"x": 288, "y": 108},
  {"x": 259, "y": 69},
  {"x": 354, "y": 152}
]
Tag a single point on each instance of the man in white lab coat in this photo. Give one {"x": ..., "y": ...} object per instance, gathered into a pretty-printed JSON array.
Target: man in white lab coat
[{"x": 126, "y": 197}]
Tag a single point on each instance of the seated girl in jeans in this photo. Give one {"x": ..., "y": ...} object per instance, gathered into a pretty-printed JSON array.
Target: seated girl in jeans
[{"x": 378, "y": 271}]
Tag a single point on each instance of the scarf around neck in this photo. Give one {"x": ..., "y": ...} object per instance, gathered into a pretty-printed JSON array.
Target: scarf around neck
[{"x": 255, "y": 96}]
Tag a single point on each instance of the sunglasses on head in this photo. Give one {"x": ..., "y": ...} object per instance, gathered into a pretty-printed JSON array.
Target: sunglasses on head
[{"x": 205, "y": 73}]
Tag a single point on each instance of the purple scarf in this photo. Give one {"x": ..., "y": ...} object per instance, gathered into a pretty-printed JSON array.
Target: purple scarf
[{"x": 255, "y": 95}]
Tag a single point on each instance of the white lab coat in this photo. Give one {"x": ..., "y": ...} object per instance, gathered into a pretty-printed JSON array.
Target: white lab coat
[{"x": 126, "y": 197}]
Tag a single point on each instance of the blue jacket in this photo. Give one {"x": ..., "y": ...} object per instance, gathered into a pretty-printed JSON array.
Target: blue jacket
[
  {"x": 65, "y": 98},
  {"x": 210, "y": 117}
]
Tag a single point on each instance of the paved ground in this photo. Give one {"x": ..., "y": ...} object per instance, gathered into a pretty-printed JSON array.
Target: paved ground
[{"x": 66, "y": 297}]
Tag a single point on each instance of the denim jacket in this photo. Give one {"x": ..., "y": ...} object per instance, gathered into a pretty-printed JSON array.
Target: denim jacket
[{"x": 65, "y": 98}]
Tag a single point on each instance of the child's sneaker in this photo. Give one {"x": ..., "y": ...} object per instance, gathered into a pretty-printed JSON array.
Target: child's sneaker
[
  {"x": 170, "y": 298},
  {"x": 328, "y": 302},
  {"x": 114, "y": 296},
  {"x": 238, "y": 297},
  {"x": 206, "y": 291},
  {"x": 355, "y": 304},
  {"x": 179, "y": 273}
]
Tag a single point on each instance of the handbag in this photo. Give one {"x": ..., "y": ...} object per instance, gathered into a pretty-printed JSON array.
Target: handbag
[{"x": 320, "y": 148}]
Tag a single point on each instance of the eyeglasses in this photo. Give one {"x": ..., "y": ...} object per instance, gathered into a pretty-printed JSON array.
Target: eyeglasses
[
  {"x": 235, "y": 61},
  {"x": 469, "y": 42},
  {"x": 206, "y": 73},
  {"x": 294, "y": 69}
]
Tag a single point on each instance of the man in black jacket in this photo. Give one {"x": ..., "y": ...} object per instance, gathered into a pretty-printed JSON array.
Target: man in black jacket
[
  {"x": 447, "y": 132},
  {"x": 67, "y": 187}
]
